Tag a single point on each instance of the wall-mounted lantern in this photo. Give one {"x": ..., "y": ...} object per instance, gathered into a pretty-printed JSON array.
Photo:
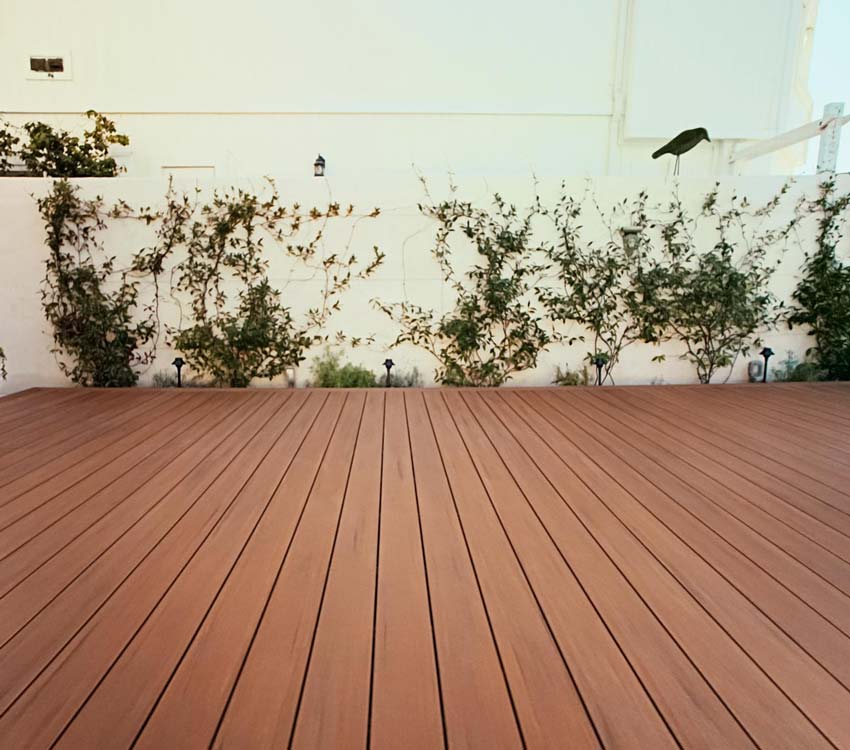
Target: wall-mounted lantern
[
  {"x": 631, "y": 239},
  {"x": 178, "y": 363},
  {"x": 388, "y": 363},
  {"x": 319, "y": 166},
  {"x": 767, "y": 353}
]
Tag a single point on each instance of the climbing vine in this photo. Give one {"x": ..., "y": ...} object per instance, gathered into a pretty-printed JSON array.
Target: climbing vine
[
  {"x": 662, "y": 273},
  {"x": 495, "y": 328},
  {"x": 236, "y": 325},
  {"x": 713, "y": 300},
  {"x": 90, "y": 303},
  {"x": 599, "y": 284},
  {"x": 821, "y": 299}
]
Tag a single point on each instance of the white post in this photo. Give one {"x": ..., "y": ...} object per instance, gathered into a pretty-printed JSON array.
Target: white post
[{"x": 830, "y": 138}]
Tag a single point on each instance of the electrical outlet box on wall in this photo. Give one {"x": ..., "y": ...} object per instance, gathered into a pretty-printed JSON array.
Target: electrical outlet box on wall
[{"x": 55, "y": 66}]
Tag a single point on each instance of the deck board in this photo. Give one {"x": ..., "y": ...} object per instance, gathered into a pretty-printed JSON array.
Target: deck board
[
  {"x": 476, "y": 700},
  {"x": 265, "y": 699},
  {"x": 405, "y": 712},
  {"x": 207, "y": 673},
  {"x": 600, "y": 671},
  {"x": 548, "y": 704},
  {"x": 334, "y": 708},
  {"x": 588, "y": 568}
]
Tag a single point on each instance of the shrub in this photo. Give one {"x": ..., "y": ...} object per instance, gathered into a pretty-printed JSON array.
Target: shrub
[
  {"x": 571, "y": 377},
  {"x": 8, "y": 142},
  {"x": 257, "y": 340},
  {"x": 328, "y": 372},
  {"x": 167, "y": 379},
  {"x": 57, "y": 153},
  {"x": 406, "y": 378},
  {"x": 792, "y": 370},
  {"x": 164, "y": 379}
]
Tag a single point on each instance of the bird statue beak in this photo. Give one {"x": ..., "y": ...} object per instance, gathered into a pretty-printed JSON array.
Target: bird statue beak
[{"x": 708, "y": 139}]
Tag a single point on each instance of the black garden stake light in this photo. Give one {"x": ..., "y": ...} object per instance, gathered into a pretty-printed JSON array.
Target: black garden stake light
[
  {"x": 319, "y": 166},
  {"x": 178, "y": 363},
  {"x": 388, "y": 363},
  {"x": 599, "y": 360},
  {"x": 767, "y": 353}
]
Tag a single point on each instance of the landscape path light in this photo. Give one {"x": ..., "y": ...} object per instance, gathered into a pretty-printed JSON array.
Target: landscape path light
[
  {"x": 178, "y": 363},
  {"x": 767, "y": 353},
  {"x": 599, "y": 360}
]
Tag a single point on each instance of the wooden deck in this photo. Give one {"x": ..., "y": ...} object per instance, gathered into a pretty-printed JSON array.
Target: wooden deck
[{"x": 641, "y": 568}]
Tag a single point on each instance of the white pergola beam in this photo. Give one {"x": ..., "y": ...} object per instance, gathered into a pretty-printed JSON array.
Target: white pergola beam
[{"x": 828, "y": 127}]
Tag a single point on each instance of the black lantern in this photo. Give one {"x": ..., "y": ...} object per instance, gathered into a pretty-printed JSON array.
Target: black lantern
[
  {"x": 599, "y": 360},
  {"x": 319, "y": 166},
  {"x": 178, "y": 363},
  {"x": 388, "y": 363},
  {"x": 767, "y": 353},
  {"x": 631, "y": 239}
]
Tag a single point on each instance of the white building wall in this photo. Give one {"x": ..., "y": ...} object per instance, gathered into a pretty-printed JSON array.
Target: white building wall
[
  {"x": 561, "y": 87},
  {"x": 494, "y": 93}
]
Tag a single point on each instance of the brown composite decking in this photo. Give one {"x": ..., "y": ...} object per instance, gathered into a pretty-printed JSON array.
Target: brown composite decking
[{"x": 641, "y": 568}]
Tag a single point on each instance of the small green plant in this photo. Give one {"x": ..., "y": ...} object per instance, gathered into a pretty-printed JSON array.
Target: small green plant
[
  {"x": 90, "y": 304},
  {"x": 167, "y": 379},
  {"x": 792, "y": 370},
  {"x": 56, "y": 153},
  {"x": 571, "y": 377},
  {"x": 495, "y": 328},
  {"x": 329, "y": 372},
  {"x": 164, "y": 379},
  {"x": 406, "y": 378},
  {"x": 822, "y": 297}
]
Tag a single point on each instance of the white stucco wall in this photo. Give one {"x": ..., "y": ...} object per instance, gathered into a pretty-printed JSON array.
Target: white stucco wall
[
  {"x": 558, "y": 86},
  {"x": 408, "y": 273}
]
